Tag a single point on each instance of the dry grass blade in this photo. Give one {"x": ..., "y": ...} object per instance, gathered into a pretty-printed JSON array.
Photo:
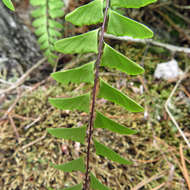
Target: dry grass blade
[
  {"x": 23, "y": 78},
  {"x": 11, "y": 107},
  {"x": 14, "y": 127},
  {"x": 34, "y": 142},
  {"x": 159, "y": 186},
  {"x": 170, "y": 114},
  {"x": 146, "y": 181},
  {"x": 185, "y": 172}
]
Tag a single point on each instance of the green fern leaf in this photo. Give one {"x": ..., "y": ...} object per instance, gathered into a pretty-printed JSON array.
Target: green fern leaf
[
  {"x": 78, "y": 75},
  {"x": 37, "y": 2},
  {"x": 43, "y": 38},
  {"x": 84, "y": 43},
  {"x": 54, "y": 24},
  {"x": 119, "y": 25},
  {"x": 76, "y": 134},
  {"x": 55, "y": 13},
  {"x": 74, "y": 165},
  {"x": 95, "y": 184},
  {"x": 44, "y": 45},
  {"x": 46, "y": 28},
  {"x": 9, "y": 4},
  {"x": 54, "y": 33},
  {"x": 104, "y": 151},
  {"x": 103, "y": 122},
  {"x": 91, "y": 13},
  {"x": 108, "y": 92},
  {"x": 39, "y": 12},
  {"x": 113, "y": 59},
  {"x": 131, "y": 3},
  {"x": 40, "y": 31},
  {"x": 80, "y": 103},
  {"x": 56, "y": 4},
  {"x": 40, "y": 21}
]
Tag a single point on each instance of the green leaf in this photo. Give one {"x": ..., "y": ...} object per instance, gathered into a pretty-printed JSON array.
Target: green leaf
[
  {"x": 76, "y": 187},
  {"x": 74, "y": 165},
  {"x": 119, "y": 25},
  {"x": 37, "y": 2},
  {"x": 102, "y": 150},
  {"x": 42, "y": 38},
  {"x": 39, "y": 12},
  {"x": 46, "y": 28},
  {"x": 80, "y": 103},
  {"x": 56, "y": 13},
  {"x": 102, "y": 121},
  {"x": 77, "y": 75},
  {"x": 54, "y": 24},
  {"x": 48, "y": 53},
  {"x": 39, "y": 21},
  {"x": 44, "y": 45},
  {"x": 84, "y": 43},
  {"x": 41, "y": 30},
  {"x": 55, "y": 5},
  {"x": 131, "y": 3},
  {"x": 108, "y": 92},
  {"x": 9, "y": 4},
  {"x": 76, "y": 134},
  {"x": 113, "y": 59},
  {"x": 91, "y": 13},
  {"x": 95, "y": 184},
  {"x": 53, "y": 32}
]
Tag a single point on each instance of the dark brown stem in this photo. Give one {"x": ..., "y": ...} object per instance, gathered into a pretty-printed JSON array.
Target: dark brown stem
[{"x": 97, "y": 64}]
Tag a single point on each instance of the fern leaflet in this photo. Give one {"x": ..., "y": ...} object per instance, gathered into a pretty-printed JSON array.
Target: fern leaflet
[{"x": 47, "y": 28}]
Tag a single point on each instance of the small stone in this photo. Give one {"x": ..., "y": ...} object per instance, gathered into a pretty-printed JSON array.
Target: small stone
[{"x": 168, "y": 70}]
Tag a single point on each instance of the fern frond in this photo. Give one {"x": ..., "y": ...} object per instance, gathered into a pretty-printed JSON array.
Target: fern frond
[
  {"x": 47, "y": 29},
  {"x": 9, "y": 4}
]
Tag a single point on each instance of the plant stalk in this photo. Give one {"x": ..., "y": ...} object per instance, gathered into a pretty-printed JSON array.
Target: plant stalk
[{"x": 94, "y": 90}]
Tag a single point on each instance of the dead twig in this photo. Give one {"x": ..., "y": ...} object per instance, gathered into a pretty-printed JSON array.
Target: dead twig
[
  {"x": 185, "y": 91},
  {"x": 33, "y": 142},
  {"x": 31, "y": 124},
  {"x": 146, "y": 181},
  {"x": 170, "y": 114},
  {"x": 23, "y": 78},
  {"x": 170, "y": 47},
  {"x": 148, "y": 161},
  {"x": 11, "y": 107},
  {"x": 175, "y": 159},
  {"x": 159, "y": 186},
  {"x": 170, "y": 177},
  {"x": 178, "y": 14},
  {"x": 37, "y": 119},
  {"x": 14, "y": 127},
  {"x": 14, "y": 115},
  {"x": 174, "y": 25},
  {"x": 181, "y": 6}
]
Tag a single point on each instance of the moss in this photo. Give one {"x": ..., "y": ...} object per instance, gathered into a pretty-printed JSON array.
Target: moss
[{"x": 151, "y": 149}]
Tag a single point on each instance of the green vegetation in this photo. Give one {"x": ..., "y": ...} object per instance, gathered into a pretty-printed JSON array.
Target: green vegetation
[
  {"x": 117, "y": 25},
  {"x": 9, "y": 4},
  {"x": 47, "y": 28}
]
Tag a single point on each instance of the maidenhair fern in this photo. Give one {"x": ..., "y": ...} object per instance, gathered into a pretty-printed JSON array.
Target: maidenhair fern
[
  {"x": 46, "y": 27},
  {"x": 9, "y": 4},
  {"x": 93, "y": 41}
]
